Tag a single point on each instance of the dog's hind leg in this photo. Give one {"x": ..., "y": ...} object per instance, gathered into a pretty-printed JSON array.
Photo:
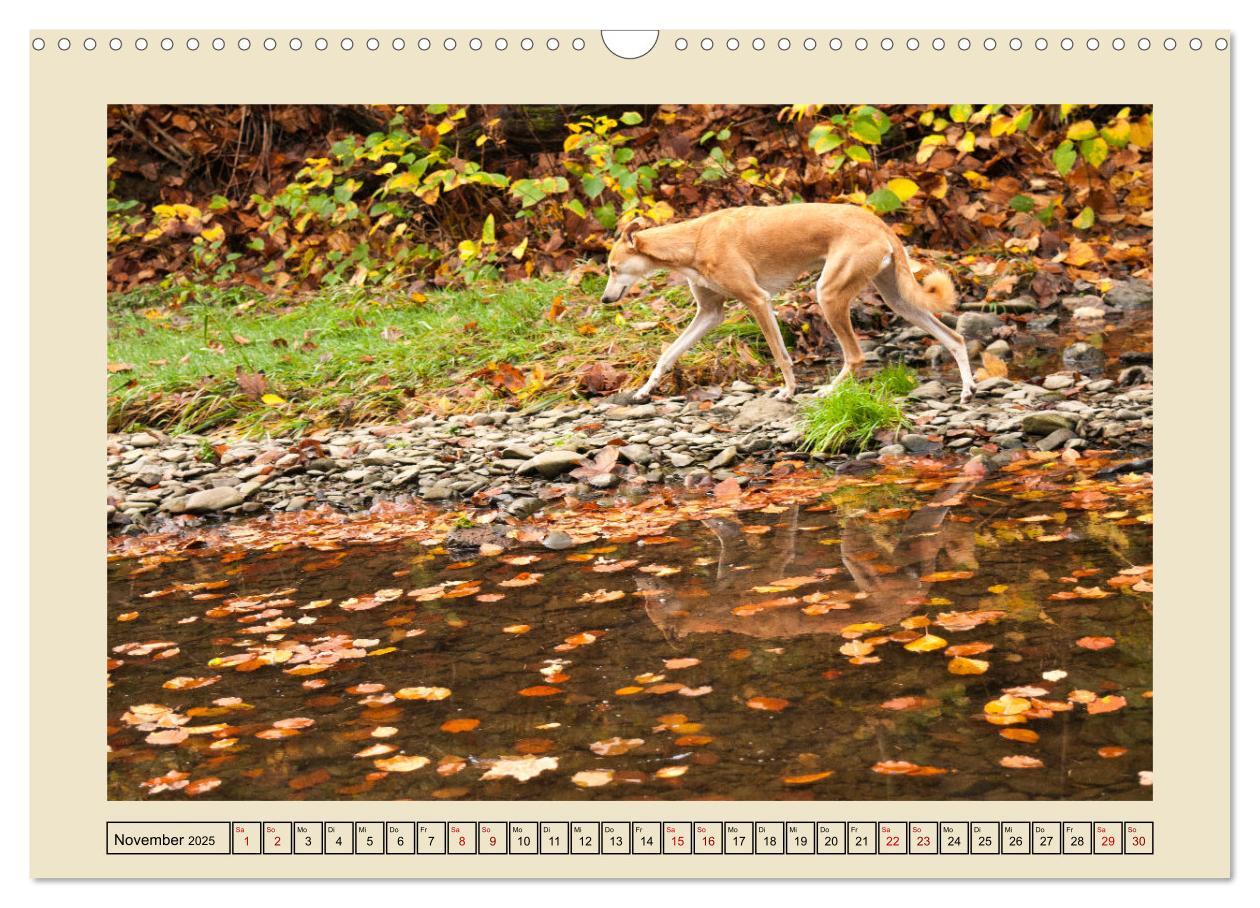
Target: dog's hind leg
[
  {"x": 709, "y": 315},
  {"x": 758, "y": 303},
  {"x": 950, "y": 339},
  {"x": 838, "y": 285}
]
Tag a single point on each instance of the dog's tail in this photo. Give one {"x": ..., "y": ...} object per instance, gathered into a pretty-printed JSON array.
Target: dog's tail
[{"x": 936, "y": 293}]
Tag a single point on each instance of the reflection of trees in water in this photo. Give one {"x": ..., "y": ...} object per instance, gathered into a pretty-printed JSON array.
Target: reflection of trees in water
[{"x": 885, "y": 561}]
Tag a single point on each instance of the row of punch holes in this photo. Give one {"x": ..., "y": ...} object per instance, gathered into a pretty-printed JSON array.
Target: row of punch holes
[{"x": 680, "y": 44}]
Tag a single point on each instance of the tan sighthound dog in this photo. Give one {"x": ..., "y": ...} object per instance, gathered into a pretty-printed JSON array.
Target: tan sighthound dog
[{"x": 750, "y": 254}]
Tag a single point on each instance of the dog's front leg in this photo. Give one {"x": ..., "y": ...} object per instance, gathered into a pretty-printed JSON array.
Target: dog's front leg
[
  {"x": 708, "y": 316},
  {"x": 763, "y": 312}
]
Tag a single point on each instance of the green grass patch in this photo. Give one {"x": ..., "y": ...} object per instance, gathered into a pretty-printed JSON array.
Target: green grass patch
[
  {"x": 849, "y": 416},
  {"x": 182, "y": 358}
]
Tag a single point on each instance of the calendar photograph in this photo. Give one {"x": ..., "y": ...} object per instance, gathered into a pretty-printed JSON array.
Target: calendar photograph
[{"x": 623, "y": 452}]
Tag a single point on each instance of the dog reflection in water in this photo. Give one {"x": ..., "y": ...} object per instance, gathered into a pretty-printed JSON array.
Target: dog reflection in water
[{"x": 885, "y": 563}]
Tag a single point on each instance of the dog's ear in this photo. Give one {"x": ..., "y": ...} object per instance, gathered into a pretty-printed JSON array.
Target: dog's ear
[{"x": 632, "y": 228}]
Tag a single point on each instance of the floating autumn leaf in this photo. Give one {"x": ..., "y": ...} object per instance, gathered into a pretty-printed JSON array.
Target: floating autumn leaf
[
  {"x": 968, "y": 649},
  {"x": 615, "y": 747},
  {"x": 297, "y": 722},
  {"x": 423, "y": 693},
  {"x": 905, "y": 768},
  {"x": 1095, "y": 642},
  {"x": 540, "y": 690},
  {"x": 1021, "y": 761},
  {"x": 201, "y": 786},
  {"x": 1023, "y": 735},
  {"x": 1112, "y": 752},
  {"x": 671, "y": 772},
  {"x": 961, "y": 665},
  {"x": 1055, "y": 674},
  {"x": 773, "y": 704},
  {"x": 944, "y": 576},
  {"x": 455, "y": 726},
  {"x": 602, "y": 595},
  {"x": 401, "y": 763},
  {"x": 1006, "y": 705},
  {"x": 516, "y": 629},
  {"x": 521, "y": 768},
  {"x": 167, "y": 736},
  {"x": 184, "y": 682},
  {"x": 524, "y": 578},
  {"x": 925, "y": 644},
  {"x": 592, "y": 778},
  {"x": 681, "y": 662},
  {"x": 1107, "y": 704},
  {"x": 808, "y": 779}
]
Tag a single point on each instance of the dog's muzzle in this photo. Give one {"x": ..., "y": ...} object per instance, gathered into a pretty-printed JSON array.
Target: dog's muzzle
[{"x": 613, "y": 296}]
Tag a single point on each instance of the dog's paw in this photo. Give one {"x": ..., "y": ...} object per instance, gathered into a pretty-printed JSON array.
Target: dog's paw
[
  {"x": 784, "y": 394},
  {"x": 640, "y": 396}
]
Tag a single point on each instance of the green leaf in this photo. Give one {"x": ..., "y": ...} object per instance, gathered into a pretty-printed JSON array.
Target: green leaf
[
  {"x": 1065, "y": 157},
  {"x": 576, "y": 207},
  {"x": 1023, "y": 119},
  {"x": 1085, "y": 219},
  {"x": 632, "y": 118},
  {"x": 1094, "y": 150},
  {"x": 960, "y": 113},
  {"x": 487, "y": 230},
  {"x": 822, "y": 138},
  {"x": 592, "y": 186},
  {"x": 1022, "y": 203},
  {"x": 858, "y": 153},
  {"x": 865, "y": 130},
  {"x": 883, "y": 200}
]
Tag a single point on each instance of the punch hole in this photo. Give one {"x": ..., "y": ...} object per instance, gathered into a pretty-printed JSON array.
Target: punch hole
[
  {"x": 321, "y": 44},
  {"x": 835, "y": 44},
  {"x": 1016, "y": 44},
  {"x": 269, "y": 44},
  {"x": 553, "y": 44},
  {"x": 1221, "y": 44},
  {"x": 964, "y": 44},
  {"x": 1196, "y": 44},
  {"x": 680, "y": 44},
  {"x": 295, "y": 44},
  {"x": 192, "y": 44},
  {"x": 1117, "y": 44},
  {"x": 758, "y": 44},
  {"x": 990, "y": 44},
  {"x": 579, "y": 44},
  {"x": 218, "y": 44},
  {"x": 732, "y": 44},
  {"x": 347, "y": 44},
  {"x": 116, "y": 43},
  {"x": 809, "y": 44},
  {"x": 449, "y": 44},
  {"x": 398, "y": 44},
  {"x": 63, "y": 44},
  {"x": 241, "y": 44},
  {"x": 38, "y": 44},
  {"x": 912, "y": 43},
  {"x": 785, "y": 44},
  {"x": 89, "y": 44},
  {"x": 527, "y": 44},
  {"x": 500, "y": 44},
  {"x": 860, "y": 44},
  {"x": 1092, "y": 44},
  {"x": 706, "y": 44},
  {"x": 424, "y": 44},
  {"x": 474, "y": 44},
  {"x": 142, "y": 44},
  {"x": 167, "y": 44},
  {"x": 1170, "y": 44},
  {"x": 938, "y": 44},
  {"x": 1144, "y": 43},
  {"x": 1066, "y": 44},
  {"x": 886, "y": 43},
  {"x": 373, "y": 44},
  {"x": 1041, "y": 44}
]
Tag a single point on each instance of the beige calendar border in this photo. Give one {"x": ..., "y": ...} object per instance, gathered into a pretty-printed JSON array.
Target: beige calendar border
[{"x": 1191, "y": 94}]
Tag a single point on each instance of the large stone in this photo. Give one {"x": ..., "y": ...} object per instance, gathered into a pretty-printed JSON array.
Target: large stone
[
  {"x": 550, "y": 464},
  {"x": 760, "y": 412},
  {"x": 1058, "y": 381},
  {"x": 1056, "y": 439},
  {"x": 1131, "y": 294},
  {"x": 216, "y": 499},
  {"x": 932, "y": 390},
  {"x": 978, "y": 326},
  {"x": 1047, "y": 421},
  {"x": 1083, "y": 357}
]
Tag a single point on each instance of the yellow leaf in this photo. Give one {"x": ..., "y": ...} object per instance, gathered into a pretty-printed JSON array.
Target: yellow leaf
[
  {"x": 902, "y": 188},
  {"x": 1083, "y": 130},
  {"x": 925, "y": 644},
  {"x": 273, "y": 400}
]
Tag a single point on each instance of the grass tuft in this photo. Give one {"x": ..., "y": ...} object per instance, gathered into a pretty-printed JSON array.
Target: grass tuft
[{"x": 849, "y": 416}]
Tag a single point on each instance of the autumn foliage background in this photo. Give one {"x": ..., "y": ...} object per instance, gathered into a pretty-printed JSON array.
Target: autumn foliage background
[{"x": 298, "y": 201}]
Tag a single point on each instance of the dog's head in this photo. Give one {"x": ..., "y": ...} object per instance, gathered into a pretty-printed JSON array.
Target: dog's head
[{"x": 627, "y": 262}]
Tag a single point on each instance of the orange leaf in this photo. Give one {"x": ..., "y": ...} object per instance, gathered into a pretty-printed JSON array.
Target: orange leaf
[{"x": 773, "y": 704}]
